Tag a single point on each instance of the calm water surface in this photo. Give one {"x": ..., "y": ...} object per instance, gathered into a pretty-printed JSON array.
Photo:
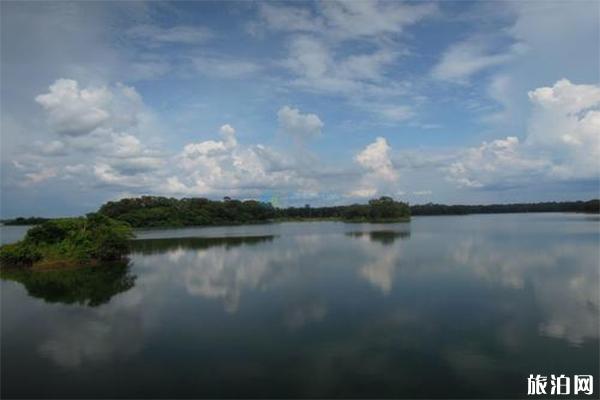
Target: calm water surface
[{"x": 440, "y": 307}]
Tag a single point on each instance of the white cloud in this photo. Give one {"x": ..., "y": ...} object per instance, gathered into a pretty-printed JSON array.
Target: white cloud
[
  {"x": 565, "y": 96},
  {"x": 222, "y": 67},
  {"x": 562, "y": 142},
  {"x": 151, "y": 35},
  {"x": 376, "y": 159},
  {"x": 100, "y": 126},
  {"x": 379, "y": 172},
  {"x": 299, "y": 125},
  {"x": 495, "y": 162},
  {"x": 339, "y": 20},
  {"x": 318, "y": 69},
  {"x": 561, "y": 40},
  {"x": 73, "y": 111},
  {"x": 119, "y": 156},
  {"x": 394, "y": 112},
  {"x": 362, "y": 78},
  {"x": 464, "y": 59},
  {"x": 351, "y": 19},
  {"x": 226, "y": 167},
  {"x": 566, "y": 123},
  {"x": 289, "y": 18}
]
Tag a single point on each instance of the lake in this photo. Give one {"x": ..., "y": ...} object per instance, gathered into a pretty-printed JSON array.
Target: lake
[{"x": 445, "y": 306}]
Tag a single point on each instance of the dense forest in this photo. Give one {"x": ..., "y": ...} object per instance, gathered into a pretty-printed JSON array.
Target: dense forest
[{"x": 151, "y": 211}]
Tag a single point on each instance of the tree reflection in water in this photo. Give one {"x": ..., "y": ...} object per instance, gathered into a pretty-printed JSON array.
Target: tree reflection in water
[
  {"x": 90, "y": 286},
  {"x": 383, "y": 237},
  {"x": 158, "y": 246}
]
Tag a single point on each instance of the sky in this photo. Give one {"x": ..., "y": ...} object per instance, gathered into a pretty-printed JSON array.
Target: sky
[{"x": 298, "y": 103}]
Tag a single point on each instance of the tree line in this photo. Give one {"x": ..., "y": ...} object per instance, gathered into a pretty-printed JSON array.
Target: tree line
[
  {"x": 153, "y": 211},
  {"x": 591, "y": 206}
]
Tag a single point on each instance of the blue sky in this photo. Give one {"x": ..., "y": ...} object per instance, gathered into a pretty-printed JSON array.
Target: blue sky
[{"x": 302, "y": 102}]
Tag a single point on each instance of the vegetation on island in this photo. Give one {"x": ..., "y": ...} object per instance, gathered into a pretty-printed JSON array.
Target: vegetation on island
[
  {"x": 383, "y": 209},
  {"x": 69, "y": 241},
  {"x": 151, "y": 211}
]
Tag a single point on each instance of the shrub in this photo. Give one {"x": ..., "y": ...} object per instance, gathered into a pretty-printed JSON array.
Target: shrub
[{"x": 19, "y": 254}]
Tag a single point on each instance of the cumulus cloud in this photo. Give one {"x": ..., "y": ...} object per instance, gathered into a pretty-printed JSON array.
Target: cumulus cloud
[
  {"x": 566, "y": 124},
  {"x": 101, "y": 127},
  {"x": 490, "y": 163},
  {"x": 299, "y": 125},
  {"x": 226, "y": 167},
  {"x": 118, "y": 155},
  {"x": 376, "y": 159},
  {"x": 379, "y": 172},
  {"x": 562, "y": 142},
  {"x": 73, "y": 111}
]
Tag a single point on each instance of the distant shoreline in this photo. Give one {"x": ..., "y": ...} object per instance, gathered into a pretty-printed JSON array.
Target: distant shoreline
[
  {"x": 287, "y": 220},
  {"x": 431, "y": 209}
]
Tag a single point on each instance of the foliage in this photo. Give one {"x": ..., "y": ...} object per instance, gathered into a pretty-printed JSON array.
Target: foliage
[
  {"x": 377, "y": 210},
  {"x": 25, "y": 221},
  {"x": 19, "y": 254},
  {"x": 149, "y": 211},
  {"x": 94, "y": 237},
  {"x": 592, "y": 206},
  {"x": 89, "y": 286}
]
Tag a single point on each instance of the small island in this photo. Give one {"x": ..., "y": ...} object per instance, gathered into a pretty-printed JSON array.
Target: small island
[{"x": 69, "y": 242}]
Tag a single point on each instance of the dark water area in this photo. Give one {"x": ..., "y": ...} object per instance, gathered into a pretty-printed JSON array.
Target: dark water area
[{"x": 441, "y": 307}]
